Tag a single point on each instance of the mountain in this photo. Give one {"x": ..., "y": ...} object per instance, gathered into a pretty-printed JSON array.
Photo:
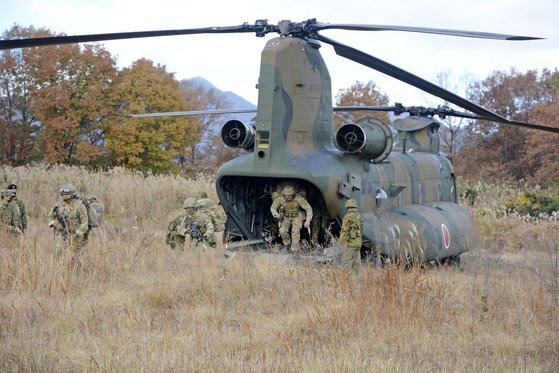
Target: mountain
[{"x": 236, "y": 101}]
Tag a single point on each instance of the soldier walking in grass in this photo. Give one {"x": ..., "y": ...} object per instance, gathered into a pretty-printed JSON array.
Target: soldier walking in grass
[
  {"x": 351, "y": 235},
  {"x": 10, "y": 216},
  {"x": 70, "y": 222},
  {"x": 291, "y": 210},
  {"x": 21, "y": 206}
]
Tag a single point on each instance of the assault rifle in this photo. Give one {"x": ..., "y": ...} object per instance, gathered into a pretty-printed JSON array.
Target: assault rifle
[
  {"x": 58, "y": 215},
  {"x": 195, "y": 232},
  {"x": 281, "y": 217}
]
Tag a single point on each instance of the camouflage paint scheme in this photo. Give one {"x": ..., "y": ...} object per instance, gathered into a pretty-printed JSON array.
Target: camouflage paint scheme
[{"x": 294, "y": 140}]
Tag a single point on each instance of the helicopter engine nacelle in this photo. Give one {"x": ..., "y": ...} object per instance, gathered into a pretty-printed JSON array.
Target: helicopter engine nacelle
[
  {"x": 369, "y": 136},
  {"x": 237, "y": 134}
]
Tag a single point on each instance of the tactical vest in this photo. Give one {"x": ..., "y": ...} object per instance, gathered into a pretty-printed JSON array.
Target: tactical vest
[{"x": 291, "y": 209}]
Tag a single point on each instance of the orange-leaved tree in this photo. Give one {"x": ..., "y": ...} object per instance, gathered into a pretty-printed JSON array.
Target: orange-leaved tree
[
  {"x": 148, "y": 144},
  {"x": 493, "y": 150},
  {"x": 19, "y": 125},
  {"x": 542, "y": 149},
  {"x": 366, "y": 94},
  {"x": 71, "y": 99}
]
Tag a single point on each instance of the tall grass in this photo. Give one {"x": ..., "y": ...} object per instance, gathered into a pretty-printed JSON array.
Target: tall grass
[{"x": 134, "y": 305}]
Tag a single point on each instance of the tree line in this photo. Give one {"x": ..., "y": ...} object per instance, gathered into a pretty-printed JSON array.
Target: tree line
[
  {"x": 489, "y": 150},
  {"x": 64, "y": 104}
]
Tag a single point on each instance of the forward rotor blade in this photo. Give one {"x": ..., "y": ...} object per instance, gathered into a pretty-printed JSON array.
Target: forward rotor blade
[
  {"x": 53, "y": 40},
  {"x": 400, "y": 74},
  {"x": 191, "y": 113},
  {"x": 424, "y": 30}
]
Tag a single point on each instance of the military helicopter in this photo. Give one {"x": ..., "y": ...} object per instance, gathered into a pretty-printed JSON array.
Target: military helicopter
[{"x": 405, "y": 189}]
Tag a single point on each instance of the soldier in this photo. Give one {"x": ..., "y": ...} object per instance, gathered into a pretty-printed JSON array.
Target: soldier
[
  {"x": 287, "y": 209},
  {"x": 20, "y": 205},
  {"x": 217, "y": 215},
  {"x": 351, "y": 236},
  {"x": 69, "y": 220},
  {"x": 174, "y": 238},
  {"x": 9, "y": 213},
  {"x": 199, "y": 225}
]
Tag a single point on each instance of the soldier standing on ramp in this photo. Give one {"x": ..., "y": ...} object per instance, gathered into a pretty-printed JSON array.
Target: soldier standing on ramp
[
  {"x": 351, "y": 236},
  {"x": 287, "y": 208}
]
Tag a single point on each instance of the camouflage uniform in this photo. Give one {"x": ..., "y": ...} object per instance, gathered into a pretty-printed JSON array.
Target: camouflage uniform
[
  {"x": 202, "y": 220},
  {"x": 351, "y": 236},
  {"x": 74, "y": 214},
  {"x": 20, "y": 205},
  {"x": 174, "y": 239},
  {"x": 291, "y": 217},
  {"x": 216, "y": 213},
  {"x": 10, "y": 215}
]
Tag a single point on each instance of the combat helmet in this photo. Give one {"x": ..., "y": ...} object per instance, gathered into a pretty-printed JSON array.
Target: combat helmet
[
  {"x": 351, "y": 203},
  {"x": 68, "y": 189},
  {"x": 189, "y": 202},
  {"x": 6, "y": 192},
  {"x": 288, "y": 190}
]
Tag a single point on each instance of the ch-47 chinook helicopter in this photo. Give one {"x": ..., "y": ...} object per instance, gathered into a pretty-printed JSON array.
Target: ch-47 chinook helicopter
[{"x": 404, "y": 188}]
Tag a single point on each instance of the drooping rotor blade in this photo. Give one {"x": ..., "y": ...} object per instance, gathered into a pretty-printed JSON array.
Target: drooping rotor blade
[
  {"x": 190, "y": 113},
  {"x": 53, "y": 40},
  {"x": 404, "y": 76},
  {"x": 424, "y": 30}
]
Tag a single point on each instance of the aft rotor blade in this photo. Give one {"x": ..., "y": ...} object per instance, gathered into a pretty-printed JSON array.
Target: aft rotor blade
[
  {"x": 424, "y": 30},
  {"x": 399, "y": 109},
  {"x": 54, "y": 40},
  {"x": 400, "y": 74},
  {"x": 191, "y": 113}
]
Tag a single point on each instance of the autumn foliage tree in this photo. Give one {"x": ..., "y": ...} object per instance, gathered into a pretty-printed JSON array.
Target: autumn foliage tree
[
  {"x": 500, "y": 151},
  {"x": 542, "y": 149},
  {"x": 366, "y": 94},
  {"x": 148, "y": 144},
  {"x": 71, "y": 99},
  {"x": 19, "y": 124}
]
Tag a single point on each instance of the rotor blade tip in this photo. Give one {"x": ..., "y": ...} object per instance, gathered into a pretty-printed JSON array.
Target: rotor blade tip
[{"x": 522, "y": 38}]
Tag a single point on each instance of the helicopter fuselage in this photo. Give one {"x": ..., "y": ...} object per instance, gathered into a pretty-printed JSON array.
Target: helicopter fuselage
[{"x": 406, "y": 195}]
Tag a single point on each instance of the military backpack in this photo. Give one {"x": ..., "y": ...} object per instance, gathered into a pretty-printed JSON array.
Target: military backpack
[{"x": 95, "y": 210}]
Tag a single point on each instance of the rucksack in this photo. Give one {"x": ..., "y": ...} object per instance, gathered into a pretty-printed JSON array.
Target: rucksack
[
  {"x": 215, "y": 212},
  {"x": 95, "y": 210}
]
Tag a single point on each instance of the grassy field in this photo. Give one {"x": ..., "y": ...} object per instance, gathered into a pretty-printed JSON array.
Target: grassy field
[{"x": 137, "y": 306}]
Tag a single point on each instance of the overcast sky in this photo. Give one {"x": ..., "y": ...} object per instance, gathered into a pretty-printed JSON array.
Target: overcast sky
[{"x": 231, "y": 62}]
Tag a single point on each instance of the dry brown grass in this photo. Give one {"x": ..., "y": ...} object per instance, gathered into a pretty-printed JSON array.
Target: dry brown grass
[{"x": 137, "y": 306}]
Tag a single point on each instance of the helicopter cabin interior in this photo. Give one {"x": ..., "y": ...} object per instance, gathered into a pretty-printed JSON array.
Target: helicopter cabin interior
[{"x": 247, "y": 201}]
